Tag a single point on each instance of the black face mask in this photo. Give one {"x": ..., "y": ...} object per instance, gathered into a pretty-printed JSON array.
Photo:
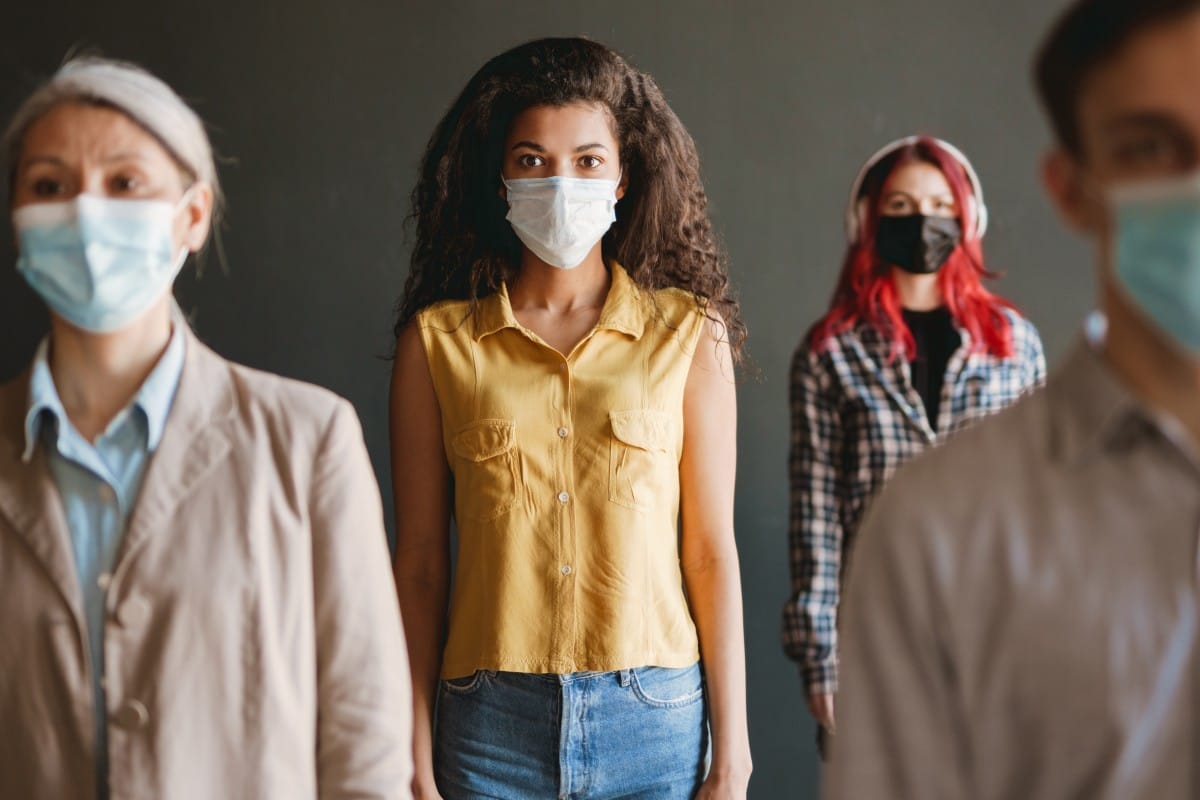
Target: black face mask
[{"x": 916, "y": 243}]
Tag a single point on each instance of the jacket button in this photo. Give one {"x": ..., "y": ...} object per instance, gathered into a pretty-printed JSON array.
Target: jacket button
[
  {"x": 132, "y": 716},
  {"x": 133, "y": 613}
]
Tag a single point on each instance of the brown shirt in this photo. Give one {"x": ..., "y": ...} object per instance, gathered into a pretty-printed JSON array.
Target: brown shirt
[{"x": 1022, "y": 617}]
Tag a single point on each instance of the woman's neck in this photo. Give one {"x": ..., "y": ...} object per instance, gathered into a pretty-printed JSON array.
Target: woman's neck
[
  {"x": 918, "y": 292},
  {"x": 543, "y": 287},
  {"x": 97, "y": 375}
]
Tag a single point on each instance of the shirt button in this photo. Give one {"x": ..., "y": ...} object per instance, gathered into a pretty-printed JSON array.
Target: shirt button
[
  {"x": 133, "y": 613},
  {"x": 103, "y": 581},
  {"x": 132, "y": 715},
  {"x": 562, "y": 433},
  {"x": 566, "y": 570},
  {"x": 563, "y": 497}
]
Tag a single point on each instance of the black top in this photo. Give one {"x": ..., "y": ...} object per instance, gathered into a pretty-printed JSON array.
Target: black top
[{"x": 936, "y": 339}]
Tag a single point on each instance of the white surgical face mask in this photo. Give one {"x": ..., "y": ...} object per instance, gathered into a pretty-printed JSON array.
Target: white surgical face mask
[
  {"x": 99, "y": 263},
  {"x": 1156, "y": 253},
  {"x": 561, "y": 219}
]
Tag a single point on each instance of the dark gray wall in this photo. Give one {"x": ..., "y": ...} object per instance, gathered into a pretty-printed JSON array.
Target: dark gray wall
[{"x": 324, "y": 107}]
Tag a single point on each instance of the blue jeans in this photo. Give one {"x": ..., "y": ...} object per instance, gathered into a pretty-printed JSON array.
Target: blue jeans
[{"x": 637, "y": 733}]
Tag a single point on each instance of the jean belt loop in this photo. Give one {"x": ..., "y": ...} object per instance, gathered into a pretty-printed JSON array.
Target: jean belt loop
[{"x": 625, "y": 676}]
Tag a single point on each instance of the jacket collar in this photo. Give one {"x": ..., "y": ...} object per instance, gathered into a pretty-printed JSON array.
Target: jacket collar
[{"x": 196, "y": 437}]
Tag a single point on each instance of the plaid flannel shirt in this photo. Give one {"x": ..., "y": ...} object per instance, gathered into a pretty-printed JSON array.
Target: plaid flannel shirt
[{"x": 855, "y": 419}]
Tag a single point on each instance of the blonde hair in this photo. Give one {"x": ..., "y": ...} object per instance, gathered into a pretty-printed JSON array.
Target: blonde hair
[{"x": 137, "y": 94}]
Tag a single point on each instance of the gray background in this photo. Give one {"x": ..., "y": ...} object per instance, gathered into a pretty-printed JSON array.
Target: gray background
[{"x": 323, "y": 109}]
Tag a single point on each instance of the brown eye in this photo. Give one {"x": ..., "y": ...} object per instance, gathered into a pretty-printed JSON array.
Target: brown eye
[
  {"x": 1148, "y": 153},
  {"x": 125, "y": 183},
  {"x": 590, "y": 162},
  {"x": 529, "y": 161},
  {"x": 47, "y": 187}
]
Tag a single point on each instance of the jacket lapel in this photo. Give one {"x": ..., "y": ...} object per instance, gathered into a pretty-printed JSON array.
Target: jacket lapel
[
  {"x": 195, "y": 441},
  {"x": 893, "y": 376},
  {"x": 30, "y": 502}
]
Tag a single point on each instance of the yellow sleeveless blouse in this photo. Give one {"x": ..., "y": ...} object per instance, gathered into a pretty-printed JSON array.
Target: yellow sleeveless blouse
[{"x": 566, "y": 484}]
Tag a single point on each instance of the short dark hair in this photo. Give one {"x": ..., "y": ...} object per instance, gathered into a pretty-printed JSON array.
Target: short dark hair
[{"x": 1088, "y": 34}]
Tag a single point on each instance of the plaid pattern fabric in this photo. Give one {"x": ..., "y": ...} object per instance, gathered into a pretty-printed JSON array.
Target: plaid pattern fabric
[{"x": 855, "y": 419}]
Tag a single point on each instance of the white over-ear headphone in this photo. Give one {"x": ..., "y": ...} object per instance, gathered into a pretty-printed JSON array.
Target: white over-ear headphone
[{"x": 856, "y": 210}]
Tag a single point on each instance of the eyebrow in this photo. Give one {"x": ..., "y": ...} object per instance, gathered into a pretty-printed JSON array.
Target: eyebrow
[
  {"x": 537, "y": 148},
  {"x": 125, "y": 155},
  {"x": 58, "y": 162},
  {"x": 1142, "y": 119},
  {"x": 898, "y": 192},
  {"x": 29, "y": 161}
]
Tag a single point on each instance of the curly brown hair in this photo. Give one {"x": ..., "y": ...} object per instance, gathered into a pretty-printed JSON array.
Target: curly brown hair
[{"x": 663, "y": 236}]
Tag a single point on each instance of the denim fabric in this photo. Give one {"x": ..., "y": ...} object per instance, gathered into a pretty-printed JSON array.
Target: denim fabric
[{"x": 635, "y": 733}]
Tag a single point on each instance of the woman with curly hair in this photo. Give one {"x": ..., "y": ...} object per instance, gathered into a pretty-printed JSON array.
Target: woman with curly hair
[{"x": 564, "y": 386}]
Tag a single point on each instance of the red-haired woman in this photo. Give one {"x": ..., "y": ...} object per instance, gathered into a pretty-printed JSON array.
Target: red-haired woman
[{"x": 912, "y": 350}]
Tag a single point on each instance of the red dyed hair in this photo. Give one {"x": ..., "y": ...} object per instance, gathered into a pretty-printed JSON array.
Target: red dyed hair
[{"x": 866, "y": 290}]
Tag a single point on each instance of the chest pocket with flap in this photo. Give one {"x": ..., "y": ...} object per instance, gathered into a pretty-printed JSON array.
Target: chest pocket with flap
[
  {"x": 486, "y": 474},
  {"x": 642, "y": 465}
]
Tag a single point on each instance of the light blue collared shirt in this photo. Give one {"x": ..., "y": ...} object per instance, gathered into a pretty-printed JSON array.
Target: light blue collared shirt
[{"x": 99, "y": 484}]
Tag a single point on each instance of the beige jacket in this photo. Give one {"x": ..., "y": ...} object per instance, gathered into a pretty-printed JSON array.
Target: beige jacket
[{"x": 254, "y": 647}]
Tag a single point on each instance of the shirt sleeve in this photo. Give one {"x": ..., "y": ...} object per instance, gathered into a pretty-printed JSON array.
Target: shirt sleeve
[
  {"x": 814, "y": 529},
  {"x": 1027, "y": 347},
  {"x": 900, "y": 733},
  {"x": 1030, "y": 347},
  {"x": 364, "y": 715}
]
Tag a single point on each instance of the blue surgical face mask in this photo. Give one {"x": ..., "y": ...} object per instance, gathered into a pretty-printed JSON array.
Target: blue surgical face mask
[
  {"x": 99, "y": 263},
  {"x": 560, "y": 219},
  {"x": 1156, "y": 253}
]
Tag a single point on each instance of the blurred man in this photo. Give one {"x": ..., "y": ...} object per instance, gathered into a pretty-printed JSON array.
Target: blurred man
[{"x": 1021, "y": 620}]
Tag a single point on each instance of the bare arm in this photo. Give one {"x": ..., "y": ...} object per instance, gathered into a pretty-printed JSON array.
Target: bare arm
[
  {"x": 421, "y": 483},
  {"x": 709, "y": 557}
]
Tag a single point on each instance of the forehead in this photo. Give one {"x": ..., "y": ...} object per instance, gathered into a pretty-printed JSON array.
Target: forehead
[
  {"x": 79, "y": 130},
  {"x": 1157, "y": 72},
  {"x": 572, "y": 124},
  {"x": 917, "y": 178}
]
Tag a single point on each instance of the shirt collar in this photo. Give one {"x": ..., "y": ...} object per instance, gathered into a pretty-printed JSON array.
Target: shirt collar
[
  {"x": 158, "y": 391},
  {"x": 1092, "y": 411},
  {"x": 623, "y": 308},
  {"x": 43, "y": 398},
  {"x": 154, "y": 398}
]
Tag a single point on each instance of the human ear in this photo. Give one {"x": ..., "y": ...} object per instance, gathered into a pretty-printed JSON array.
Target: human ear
[
  {"x": 197, "y": 216},
  {"x": 1067, "y": 183}
]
